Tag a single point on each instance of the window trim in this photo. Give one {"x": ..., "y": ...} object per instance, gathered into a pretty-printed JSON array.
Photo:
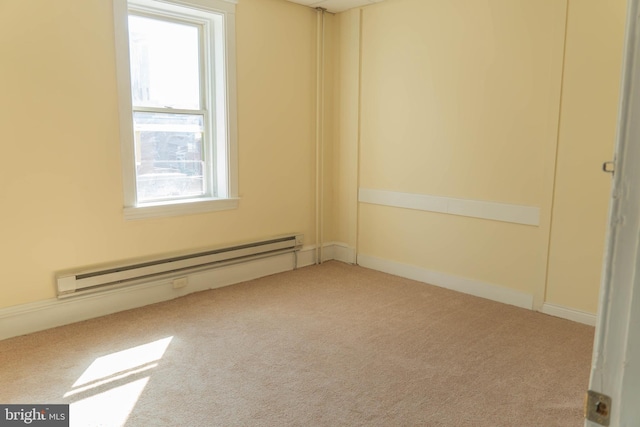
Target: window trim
[{"x": 131, "y": 210}]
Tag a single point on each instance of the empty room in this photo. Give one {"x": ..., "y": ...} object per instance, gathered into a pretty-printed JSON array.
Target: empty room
[{"x": 273, "y": 212}]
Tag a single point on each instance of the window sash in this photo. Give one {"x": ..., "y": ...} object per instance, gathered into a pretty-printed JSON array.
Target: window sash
[
  {"x": 223, "y": 108},
  {"x": 206, "y": 96},
  {"x": 204, "y": 45},
  {"x": 170, "y": 156}
]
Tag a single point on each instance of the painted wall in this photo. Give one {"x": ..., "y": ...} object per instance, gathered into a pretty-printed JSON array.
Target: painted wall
[
  {"x": 345, "y": 131},
  {"x": 329, "y": 220},
  {"x": 60, "y": 182},
  {"x": 595, "y": 32},
  {"x": 504, "y": 101},
  {"x": 460, "y": 99}
]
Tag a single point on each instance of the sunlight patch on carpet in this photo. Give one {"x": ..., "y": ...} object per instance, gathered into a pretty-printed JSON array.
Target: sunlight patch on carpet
[
  {"x": 109, "y": 408},
  {"x": 108, "y": 390}
]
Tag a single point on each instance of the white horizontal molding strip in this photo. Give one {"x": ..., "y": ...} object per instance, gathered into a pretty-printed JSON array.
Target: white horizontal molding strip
[
  {"x": 448, "y": 281},
  {"x": 517, "y": 214},
  {"x": 569, "y": 314}
]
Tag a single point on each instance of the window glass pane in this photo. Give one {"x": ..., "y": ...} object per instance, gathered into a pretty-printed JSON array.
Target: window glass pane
[
  {"x": 169, "y": 156},
  {"x": 165, "y": 63}
]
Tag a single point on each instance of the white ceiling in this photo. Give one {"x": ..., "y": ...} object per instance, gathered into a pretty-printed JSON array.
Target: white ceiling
[{"x": 335, "y": 6}]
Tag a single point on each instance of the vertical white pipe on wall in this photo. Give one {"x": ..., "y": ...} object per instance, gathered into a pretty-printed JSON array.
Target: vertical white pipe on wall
[
  {"x": 320, "y": 60},
  {"x": 359, "y": 134}
]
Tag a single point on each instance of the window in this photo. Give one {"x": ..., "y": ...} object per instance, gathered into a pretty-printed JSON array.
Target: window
[{"x": 176, "y": 73}]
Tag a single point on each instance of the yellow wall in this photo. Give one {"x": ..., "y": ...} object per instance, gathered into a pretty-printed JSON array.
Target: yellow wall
[
  {"x": 481, "y": 101},
  {"x": 454, "y": 98},
  {"x": 329, "y": 122},
  {"x": 60, "y": 180},
  {"x": 595, "y": 31},
  {"x": 460, "y": 99},
  {"x": 346, "y": 84}
]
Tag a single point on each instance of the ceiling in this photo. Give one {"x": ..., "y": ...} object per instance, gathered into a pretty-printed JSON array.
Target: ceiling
[{"x": 335, "y": 6}]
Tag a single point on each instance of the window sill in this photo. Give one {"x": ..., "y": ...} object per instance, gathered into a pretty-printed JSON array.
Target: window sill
[{"x": 177, "y": 208}]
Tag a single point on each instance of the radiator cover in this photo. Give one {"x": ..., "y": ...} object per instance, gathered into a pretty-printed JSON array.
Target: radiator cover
[{"x": 108, "y": 277}]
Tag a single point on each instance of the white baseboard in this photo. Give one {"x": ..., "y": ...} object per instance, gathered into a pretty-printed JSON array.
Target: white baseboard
[
  {"x": 344, "y": 253},
  {"x": 455, "y": 283},
  {"x": 339, "y": 252},
  {"x": 306, "y": 256},
  {"x": 41, "y": 315},
  {"x": 33, "y": 317},
  {"x": 330, "y": 251},
  {"x": 569, "y": 314}
]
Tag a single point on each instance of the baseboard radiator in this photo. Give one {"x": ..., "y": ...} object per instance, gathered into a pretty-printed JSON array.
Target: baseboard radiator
[{"x": 95, "y": 280}]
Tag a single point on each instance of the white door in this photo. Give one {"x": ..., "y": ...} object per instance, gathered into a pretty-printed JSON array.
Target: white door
[{"x": 615, "y": 371}]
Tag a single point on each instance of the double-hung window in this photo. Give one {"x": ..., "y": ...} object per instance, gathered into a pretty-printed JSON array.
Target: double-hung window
[{"x": 176, "y": 73}]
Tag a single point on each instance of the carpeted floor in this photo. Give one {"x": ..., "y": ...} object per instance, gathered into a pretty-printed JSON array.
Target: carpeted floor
[{"x": 329, "y": 345}]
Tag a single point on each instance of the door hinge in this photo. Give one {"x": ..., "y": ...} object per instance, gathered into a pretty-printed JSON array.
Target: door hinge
[
  {"x": 597, "y": 408},
  {"x": 609, "y": 167}
]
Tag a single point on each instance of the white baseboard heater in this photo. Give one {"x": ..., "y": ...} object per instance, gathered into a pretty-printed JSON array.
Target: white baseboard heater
[{"x": 82, "y": 282}]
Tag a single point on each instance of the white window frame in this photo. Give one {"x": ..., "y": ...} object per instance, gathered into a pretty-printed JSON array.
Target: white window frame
[{"x": 222, "y": 97}]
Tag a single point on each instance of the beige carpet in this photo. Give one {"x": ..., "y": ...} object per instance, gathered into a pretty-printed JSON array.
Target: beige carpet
[{"x": 330, "y": 345}]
